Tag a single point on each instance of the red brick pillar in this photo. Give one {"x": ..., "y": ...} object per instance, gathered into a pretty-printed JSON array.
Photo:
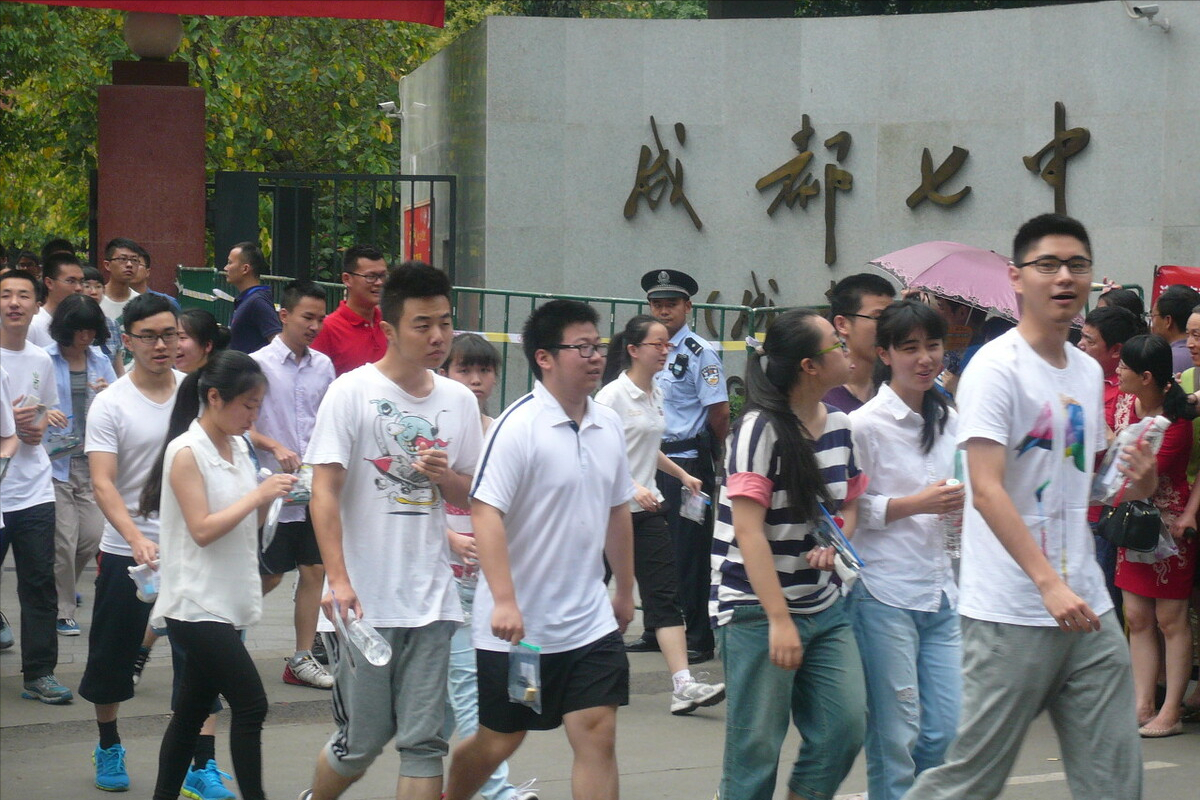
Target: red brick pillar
[{"x": 150, "y": 165}]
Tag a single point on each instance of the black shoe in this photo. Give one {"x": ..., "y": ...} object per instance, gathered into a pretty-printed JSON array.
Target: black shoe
[
  {"x": 318, "y": 650},
  {"x": 642, "y": 645},
  {"x": 696, "y": 656}
]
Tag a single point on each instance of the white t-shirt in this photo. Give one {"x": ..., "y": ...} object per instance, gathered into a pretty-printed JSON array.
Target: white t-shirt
[
  {"x": 114, "y": 309},
  {"x": 124, "y": 421},
  {"x": 555, "y": 483},
  {"x": 218, "y": 582},
  {"x": 642, "y": 417},
  {"x": 39, "y": 328},
  {"x": 27, "y": 484},
  {"x": 1051, "y": 423},
  {"x": 393, "y": 520},
  {"x": 8, "y": 425}
]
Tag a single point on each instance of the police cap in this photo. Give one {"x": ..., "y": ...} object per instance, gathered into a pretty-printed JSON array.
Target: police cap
[{"x": 663, "y": 283}]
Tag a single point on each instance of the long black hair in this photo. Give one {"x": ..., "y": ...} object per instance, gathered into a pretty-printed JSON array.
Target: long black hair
[
  {"x": 770, "y": 376},
  {"x": 1148, "y": 352},
  {"x": 635, "y": 332},
  {"x": 232, "y": 374},
  {"x": 897, "y": 323}
]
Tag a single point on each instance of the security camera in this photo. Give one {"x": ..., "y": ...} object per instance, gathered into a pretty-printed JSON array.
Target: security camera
[
  {"x": 388, "y": 106},
  {"x": 1147, "y": 11}
]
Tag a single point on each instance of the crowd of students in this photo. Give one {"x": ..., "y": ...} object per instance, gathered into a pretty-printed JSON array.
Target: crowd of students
[{"x": 461, "y": 539}]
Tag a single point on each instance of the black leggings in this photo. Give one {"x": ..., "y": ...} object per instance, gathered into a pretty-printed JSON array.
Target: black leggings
[{"x": 217, "y": 663}]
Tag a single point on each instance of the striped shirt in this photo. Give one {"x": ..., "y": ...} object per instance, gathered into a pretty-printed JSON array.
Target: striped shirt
[{"x": 753, "y": 472}]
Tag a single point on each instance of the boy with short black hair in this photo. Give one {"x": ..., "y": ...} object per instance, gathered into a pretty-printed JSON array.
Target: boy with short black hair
[
  {"x": 855, "y": 303},
  {"x": 550, "y": 497}
]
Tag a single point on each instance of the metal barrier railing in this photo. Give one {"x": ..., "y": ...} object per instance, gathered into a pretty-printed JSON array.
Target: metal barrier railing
[{"x": 498, "y": 315}]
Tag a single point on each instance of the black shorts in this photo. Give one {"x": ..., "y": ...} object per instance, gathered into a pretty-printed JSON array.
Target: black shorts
[
  {"x": 654, "y": 568},
  {"x": 295, "y": 544},
  {"x": 118, "y": 626},
  {"x": 591, "y": 676}
]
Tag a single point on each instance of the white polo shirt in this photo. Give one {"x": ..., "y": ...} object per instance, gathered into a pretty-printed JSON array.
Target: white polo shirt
[
  {"x": 643, "y": 421},
  {"x": 555, "y": 482}
]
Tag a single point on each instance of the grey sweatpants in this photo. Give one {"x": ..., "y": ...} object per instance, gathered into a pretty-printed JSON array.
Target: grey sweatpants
[
  {"x": 1013, "y": 672},
  {"x": 405, "y": 699}
]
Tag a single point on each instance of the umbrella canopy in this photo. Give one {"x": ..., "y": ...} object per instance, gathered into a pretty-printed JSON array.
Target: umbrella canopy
[{"x": 956, "y": 271}]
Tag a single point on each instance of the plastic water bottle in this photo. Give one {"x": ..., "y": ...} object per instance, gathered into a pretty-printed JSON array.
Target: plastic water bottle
[
  {"x": 951, "y": 522},
  {"x": 272, "y": 521},
  {"x": 1110, "y": 483},
  {"x": 364, "y": 637}
]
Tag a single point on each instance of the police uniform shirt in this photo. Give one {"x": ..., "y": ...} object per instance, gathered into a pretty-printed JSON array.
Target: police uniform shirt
[{"x": 692, "y": 380}]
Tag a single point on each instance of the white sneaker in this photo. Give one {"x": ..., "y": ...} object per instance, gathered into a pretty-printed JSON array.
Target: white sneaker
[
  {"x": 525, "y": 791},
  {"x": 307, "y": 672},
  {"x": 696, "y": 694}
]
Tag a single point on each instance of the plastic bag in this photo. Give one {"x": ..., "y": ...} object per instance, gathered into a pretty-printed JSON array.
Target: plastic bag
[
  {"x": 692, "y": 506},
  {"x": 525, "y": 675},
  {"x": 1167, "y": 548}
]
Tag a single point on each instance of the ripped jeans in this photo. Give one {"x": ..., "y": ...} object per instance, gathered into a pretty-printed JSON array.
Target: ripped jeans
[{"x": 912, "y": 661}]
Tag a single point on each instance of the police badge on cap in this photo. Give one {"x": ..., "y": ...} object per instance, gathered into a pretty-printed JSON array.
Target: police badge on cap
[{"x": 660, "y": 284}]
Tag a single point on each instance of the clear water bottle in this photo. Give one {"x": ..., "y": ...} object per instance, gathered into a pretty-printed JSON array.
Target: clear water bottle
[
  {"x": 272, "y": 520},
  {"x": 364, "y": 637},
  {"x": 951, "y": 523}
]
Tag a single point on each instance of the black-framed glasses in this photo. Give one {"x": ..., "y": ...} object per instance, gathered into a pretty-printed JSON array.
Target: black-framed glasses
[
  {"x": 135, "y": 260},
  {"x": 373, "y": 277},
  {"x": 863, "y": 316},
  {"x": 169, "y": 337},
  {"x": 841, "y": 345},
  {"x": 585, "y": 350},
  {"x": 1050, "y": 265}
]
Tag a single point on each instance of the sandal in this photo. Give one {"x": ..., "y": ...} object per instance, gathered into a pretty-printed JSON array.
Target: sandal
[{"x": 1161, "y": 733}]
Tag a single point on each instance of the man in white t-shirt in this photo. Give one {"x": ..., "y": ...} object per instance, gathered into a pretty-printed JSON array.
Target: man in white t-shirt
[
  {"x": 27, "y": 500},
  {"x": 123, "y": 259},
  {"x": 1038, "y": 627},
  {"x": 391, "y": 440},
  {"x": 551, "y": 497},
  {"x": 126, "y": 428},
  {"x": 62, "y": 276}
]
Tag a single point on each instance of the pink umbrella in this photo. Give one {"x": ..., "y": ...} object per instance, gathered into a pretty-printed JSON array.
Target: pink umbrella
[{"x": 960, "y": 272}]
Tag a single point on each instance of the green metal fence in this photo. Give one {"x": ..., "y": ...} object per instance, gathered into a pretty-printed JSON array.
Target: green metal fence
[{"x": 498, "y": 315}]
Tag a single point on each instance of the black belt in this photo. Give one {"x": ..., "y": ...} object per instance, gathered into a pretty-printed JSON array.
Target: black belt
[{"x": 701, "y": 442}]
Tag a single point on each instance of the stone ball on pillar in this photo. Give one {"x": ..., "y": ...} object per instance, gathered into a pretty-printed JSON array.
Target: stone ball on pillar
[{"x": 153, "y": 36}]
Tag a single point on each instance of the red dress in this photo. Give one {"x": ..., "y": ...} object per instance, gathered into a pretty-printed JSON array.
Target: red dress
[{"x": 1170, "y": 579}]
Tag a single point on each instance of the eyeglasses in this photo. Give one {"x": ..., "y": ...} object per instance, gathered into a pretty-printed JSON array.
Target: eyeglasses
[
  {"x": 371, "y": 277},
  {"x": 863, "y": 316},
  {"x": 134, "y": 260},
  {"x": 169, "y": 337},
  {"x": 586, "y": 350},
  {"x": 662, "y": 347},
  {"x": 70, "y": 281},
  {"x": 1049, "y": 265},
  {"x": 841, "y": 345}
]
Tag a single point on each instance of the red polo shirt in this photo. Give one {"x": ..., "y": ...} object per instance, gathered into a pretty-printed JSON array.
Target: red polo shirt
[{"x": 349, "y": 340}]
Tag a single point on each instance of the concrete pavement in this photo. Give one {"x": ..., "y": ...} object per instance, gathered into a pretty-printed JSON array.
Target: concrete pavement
[{"x": 45, "y": 750}]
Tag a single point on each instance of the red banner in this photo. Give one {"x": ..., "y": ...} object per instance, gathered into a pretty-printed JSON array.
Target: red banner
[
  {"x": 1169, "y": 275},
  {"x": 425, "y": 12}
]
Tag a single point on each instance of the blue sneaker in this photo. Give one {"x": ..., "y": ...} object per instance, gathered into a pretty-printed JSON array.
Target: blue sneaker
[
  {"x": 6, "y": 634},
  {"x": 67, "y": 627},
  {"x": 110, "y": 769},
  {"x": 207, "y": 784},
  {"x": 48, "y": 690}
]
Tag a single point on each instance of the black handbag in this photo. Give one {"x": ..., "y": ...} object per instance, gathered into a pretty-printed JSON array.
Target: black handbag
[{"x": 1134, "y": 525}]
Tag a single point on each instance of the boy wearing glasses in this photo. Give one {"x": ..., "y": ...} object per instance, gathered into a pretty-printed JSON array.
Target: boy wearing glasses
[
  {"x": 551, "y": 496},
  {"x": 122, "y": 261},
  {"x": 1038, "y": 627},
  {"x": 854, "y": 306},
  {"x": 392, "y": 443},
  {"x": 352, "y": 335},
  {"x": 62, "y": 276},
  {"x": 125, "y": 429}
]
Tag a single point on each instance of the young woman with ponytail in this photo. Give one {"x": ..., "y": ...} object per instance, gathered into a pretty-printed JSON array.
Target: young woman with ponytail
[
  {"x": 210, "y": 505},
  {"x": 783, "y": 631},
  {"x": 1156, "y": 595},
  {"x": 903, "y": 606}
]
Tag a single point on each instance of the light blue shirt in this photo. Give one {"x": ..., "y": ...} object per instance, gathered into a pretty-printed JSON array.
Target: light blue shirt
[
  {"x": 98, "y": 366},
  {"x": 692, "y": 380}
]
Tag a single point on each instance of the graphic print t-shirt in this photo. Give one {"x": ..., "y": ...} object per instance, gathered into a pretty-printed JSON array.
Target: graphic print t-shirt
[
  {"x": 1050, "y": 422},
  {"x": 393, "y": 517}
]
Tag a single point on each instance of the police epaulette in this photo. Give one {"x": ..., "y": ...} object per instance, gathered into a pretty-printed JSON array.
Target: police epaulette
[{"x": 693, "y": 345}]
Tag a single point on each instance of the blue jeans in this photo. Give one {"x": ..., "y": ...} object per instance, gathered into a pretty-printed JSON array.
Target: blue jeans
[
  {"x": 825, "y": 699},
  {"x": 913, "y": 664},
  {"x": 462, "y": 697}
]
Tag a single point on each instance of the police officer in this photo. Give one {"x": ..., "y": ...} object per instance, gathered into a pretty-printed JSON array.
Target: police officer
[{"x": 696, "y": 406}]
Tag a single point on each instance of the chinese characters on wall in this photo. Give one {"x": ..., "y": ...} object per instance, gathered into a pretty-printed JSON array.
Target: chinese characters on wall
[{"x": 796, "y": 184}]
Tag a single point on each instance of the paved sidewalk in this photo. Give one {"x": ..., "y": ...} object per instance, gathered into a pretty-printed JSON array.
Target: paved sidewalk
[{"x": 45, "y": 751}]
